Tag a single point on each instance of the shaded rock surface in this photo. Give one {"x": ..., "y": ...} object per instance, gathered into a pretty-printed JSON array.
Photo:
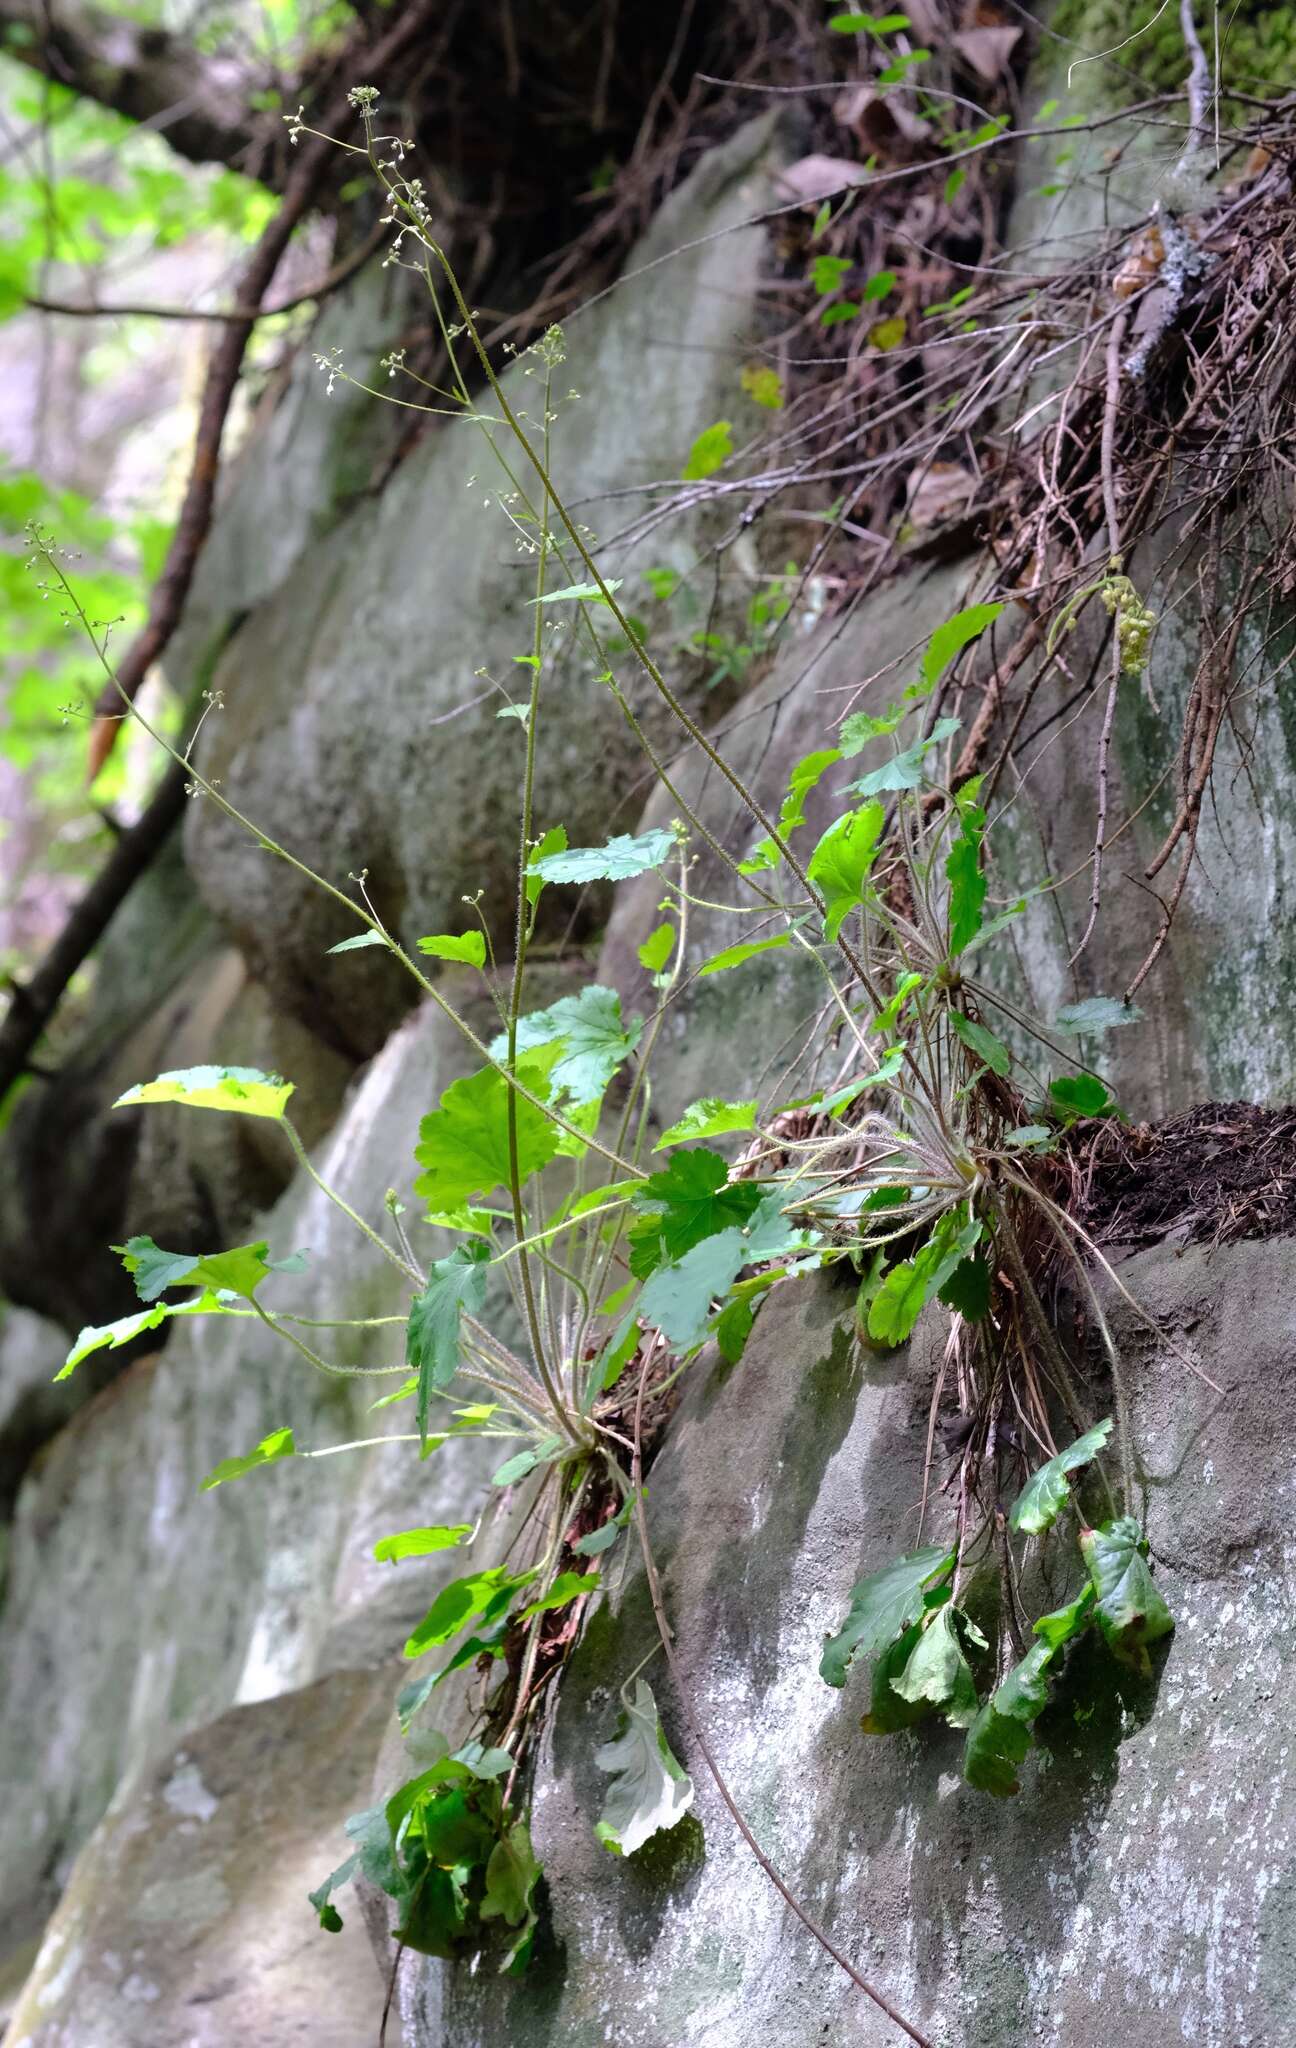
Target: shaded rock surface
[
  {"x": 139, "y": 1608},
  {"x": 185, "y": 1919},
  {"x": 1143, "y": 1880},
  {"x": 360, "y": 733}
]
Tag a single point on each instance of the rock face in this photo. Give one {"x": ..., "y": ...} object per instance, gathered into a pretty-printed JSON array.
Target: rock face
[
  {"x": 360, "y": 733},
  {"x": 139, "y": 1608},
  {"x": 185, "y": 1920},
  {"x": 1144, "y": 1878}
]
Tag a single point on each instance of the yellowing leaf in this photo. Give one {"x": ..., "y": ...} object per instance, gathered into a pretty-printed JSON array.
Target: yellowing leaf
[
  {"x": 243, "y": 1090},
  {"x": 886, "y": 334}
]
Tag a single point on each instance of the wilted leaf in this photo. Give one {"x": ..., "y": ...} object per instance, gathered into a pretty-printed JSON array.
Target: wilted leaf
[
  {"x": 888, "y": 1713},
  {"x": 243, "y": 1090},
  {"x": 650, "y": 1791},
  {"x": 1001, "y": 1733},
  {"x": 455, "y": 1283},
  {"x": 812, "y": 178},
  {"x": 987, "y": 50},
  {"x": 882, "y": 1607},
  {"x": 1047, "y": 1491},
  {"x": 939, "y": 1672},
  {"x": 1129, "y": 1611}
]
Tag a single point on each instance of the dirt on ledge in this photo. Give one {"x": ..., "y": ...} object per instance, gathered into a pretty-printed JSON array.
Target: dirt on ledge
[{"x": 1220, "y": 1172}]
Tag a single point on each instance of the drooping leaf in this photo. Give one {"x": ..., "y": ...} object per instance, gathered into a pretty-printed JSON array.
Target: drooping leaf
[
  {"x": 245, "y": 1091},
  {"x": 982, "y": 1044},
  {"x": 649, "y": 1790},
  {"x": 910, "y": 1285},
  {"x": 1047, "y": 1491},
  {"x": 938, "y": 1671},
  {"x": 951, "y": 638},
  {"x": 463, "y": 1144},
  {"x": 622, "y": 858},
  {"x": 593, "y": 1041},
  {"x": 712, "y": 1117},
  {"x": 1130, "y": 1611},
  {"x": 967, "y": 892},
  {"x": 471, "y": 947},
  {"x": 713, "y": 446},
  {"x": 888, "y": 1713},
  {"x": 512, "y": 1874},
  {"x": 733, "y": 1328},
  {"x": 479, "y": 1593},
  {"x": 840, "y": 863},
  {"x": 1065, "y": 1622},
  {"x": 111, "y": 1336},
  {"x": 882, "y": 1607},
  {"x": 420, "y": 1542},
  {"x": 967, "y": 1290},
  {"x": 279, "y": 1444},
  {"x": 455, "y": 1283},
  {"x": 1079, "y": 1095},
  {"x": 733, "y": 956},
  {"x": 1094, "y": 1015},
  {"x": 1000, "y": 1735},
  {"x": 568, "y": 1586}
]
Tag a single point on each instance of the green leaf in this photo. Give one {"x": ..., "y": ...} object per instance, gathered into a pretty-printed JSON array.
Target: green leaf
[
  {"x": 862, "y": 726},
  {"x": 462, "y": 1601},
  {"x": 968, "y": 1289},
  {"x": 938, "y": 1671},
  {"x": 650, "y": 1790},
  {"x": 733, "y": 956},
  {"x": 1064, "y": 1622},
  {"x": 967, "y": 883},
  {"x": 1027, "y": 1134},
  {"x": 602, "y": 1539},
  {"x": 678, "y": 1296},
  {"x": 733, "y": 1328},
  {"x": 321, "y": 1899},
  {"x": 690, "y": 1199},
  {"x": 243, "y": 1090},
  {"x": 619, "y": 1350},
  {"x": 586, "y": 593},
  {"x": 568, "y": 1586},
  {"x": 840, "y": 863},
  {"x": 711, "y": 1117},
  {"x": 443, "y": 946},
  {"x": 657, "y": 948},
  {"x": 279, "y": 1444},
  {"x": 1047, "y": 1492},
  {"x": 878, "y": 286},
  {"x": 982, "y": 1044},
  {"x": 463, "y": 1144},
  {"x": 867, "y": 24},
  {"x": 554, "y": 841},
  {"x": 763, "y": 385},
  {"x": 522, "y": 1462},
  {"x": 359, "y": 942},
  {"x": 512, "y": 1874},
  {"x": 1081, "y": 1095},
  {"x": 1129, "y": 1611},
  {"x": 909, "y": 1286},
  {"x": 238, "y": 1271},
  {"x": 950, "y": 639},
  {"x": 888, "y": 1713},
  {"x": 1000, "y": 1735},
  {"x": 833, "y": 316},
  {"x": 455, "y": 1283},
  {"x": 589, "y": 1030},
  {"x": 420, "y": 1542},
  {"x": 1096, "y": 1014},
  {"x": 807, "y": 774},
  {"x": 622, "y": 858},
  {"x": 905, "y": 771},
  {"x": 111, "y": 1336},
  {"x": 713, "y": 446},
  {"x": 883, "y": 1606}
]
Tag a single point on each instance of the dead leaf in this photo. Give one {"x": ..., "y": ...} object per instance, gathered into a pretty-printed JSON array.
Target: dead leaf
[
  {"x": 886, "y": 129},
  {"x": 813, "y": 178},
  {"x": 938, "y": 492},
  {"x": 1140, "y": 263},
  {"x": 987, "y": 50}
]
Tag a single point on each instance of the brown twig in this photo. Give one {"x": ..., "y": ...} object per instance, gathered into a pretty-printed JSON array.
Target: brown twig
[{"x": 704, "y": 1747}]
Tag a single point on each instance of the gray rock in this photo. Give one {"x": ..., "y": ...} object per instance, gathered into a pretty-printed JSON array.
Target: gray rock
[
  {"x": 358, "y": 731},
  {"x": 31, "y": 1407},
  {"x": 140, "y": 1608},
  {"x": 186, "y": 1917},
  {"x": 1140, "y": 1884}
]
